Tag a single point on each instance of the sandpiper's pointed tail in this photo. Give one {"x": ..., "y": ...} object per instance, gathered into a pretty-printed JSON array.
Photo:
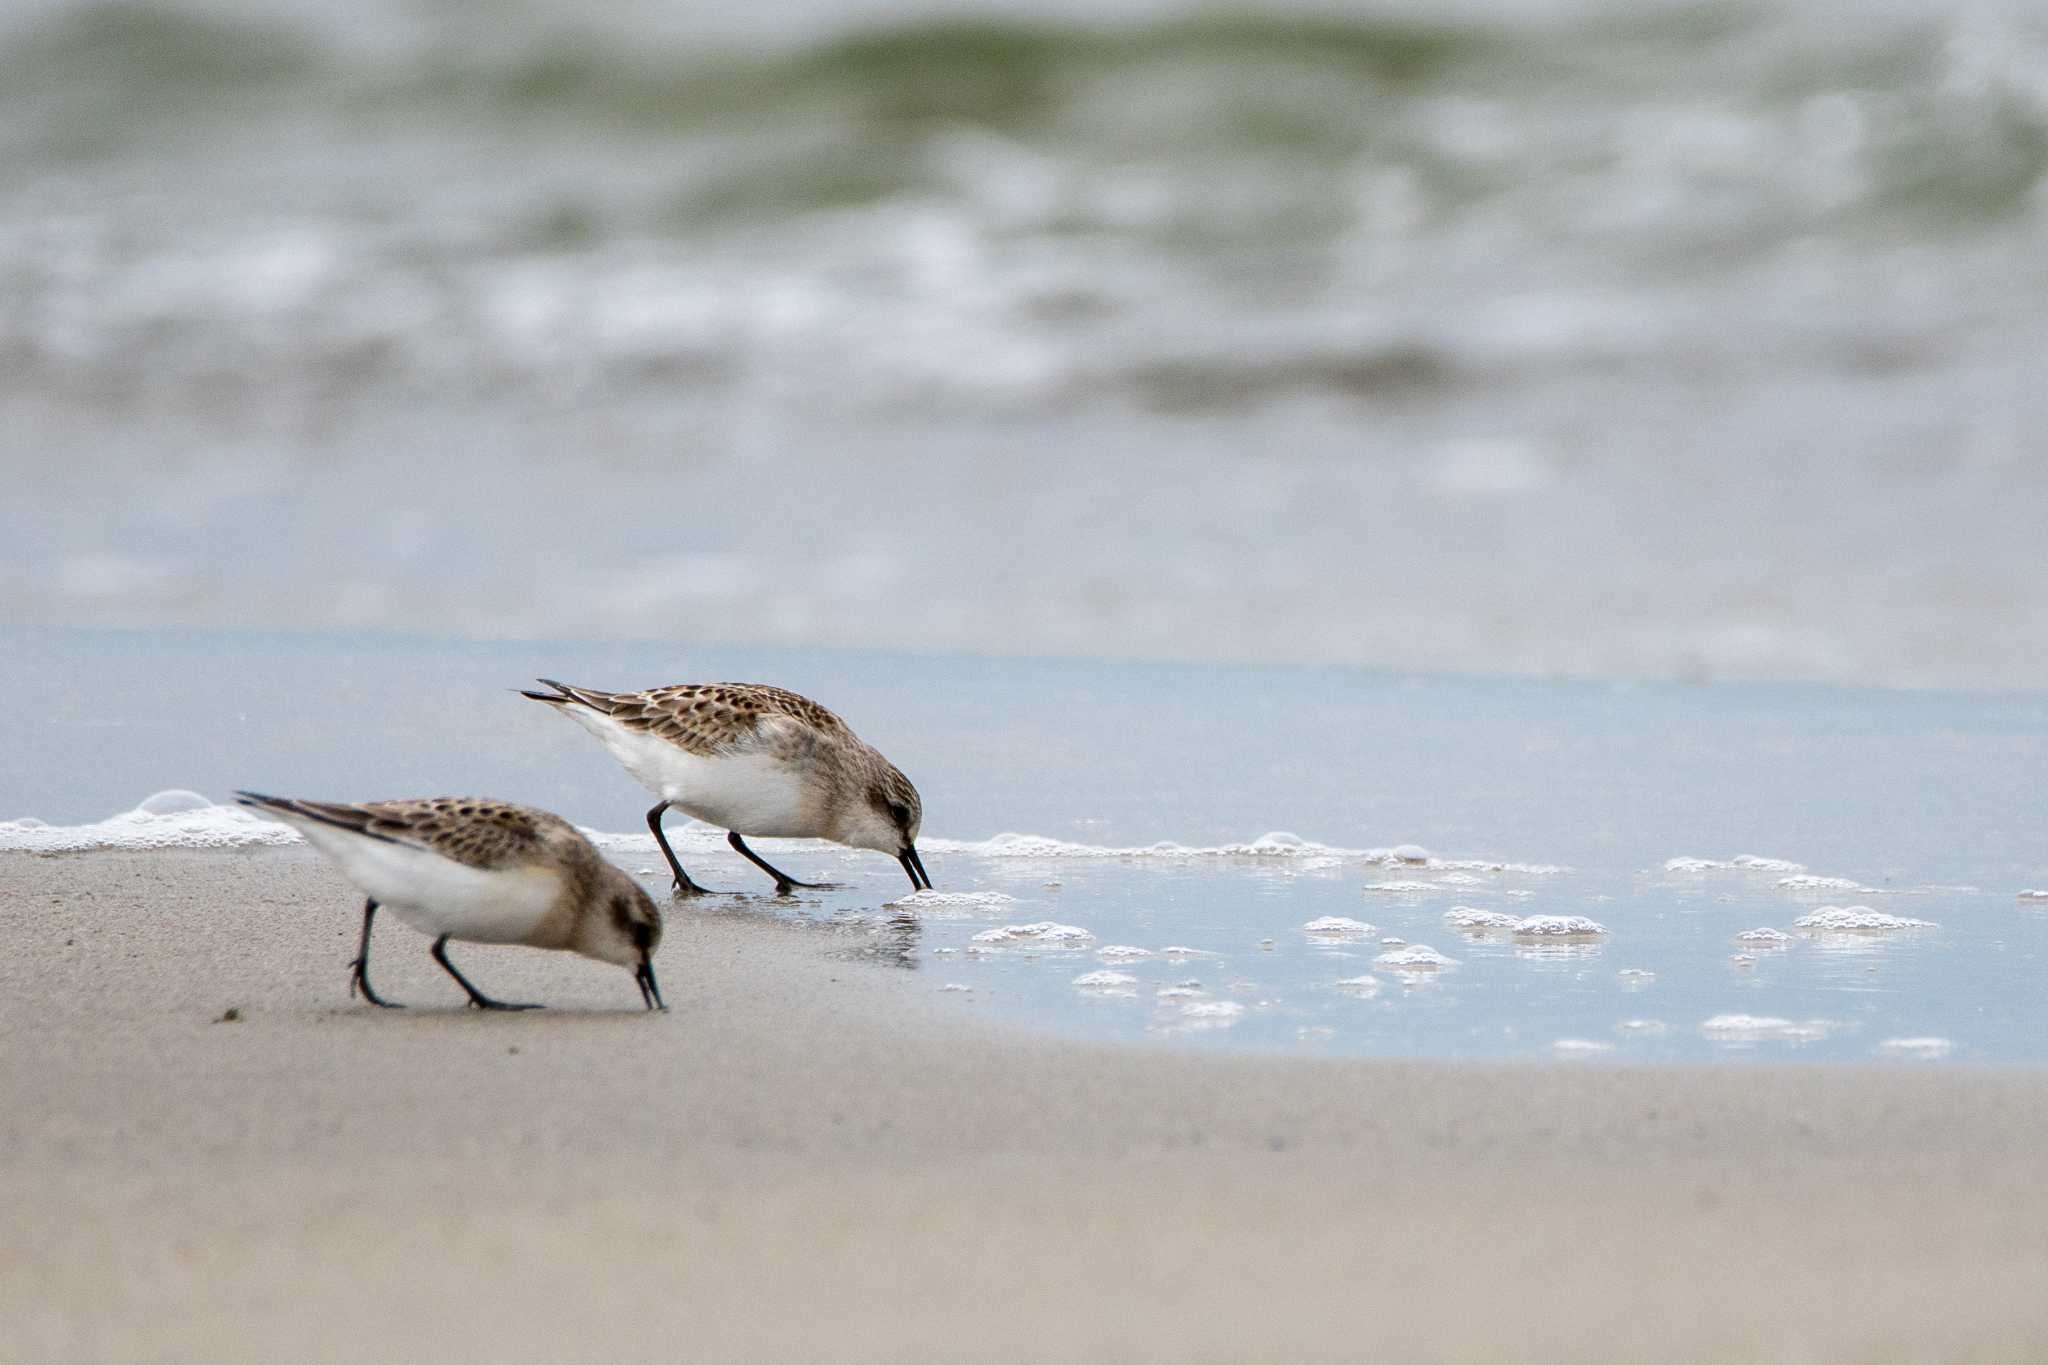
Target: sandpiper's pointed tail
[
  {"x": 565, "y": 695},
  {"x": 354, "y": 819}
]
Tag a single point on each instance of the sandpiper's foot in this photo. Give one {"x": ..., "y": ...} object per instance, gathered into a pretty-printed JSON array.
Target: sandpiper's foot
[
  {"x": 484, "y": 1002},
  {"x": 359, "y": 980}
]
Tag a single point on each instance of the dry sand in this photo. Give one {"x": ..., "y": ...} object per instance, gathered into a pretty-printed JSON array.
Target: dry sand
[{"x": 805, "y": 1161}]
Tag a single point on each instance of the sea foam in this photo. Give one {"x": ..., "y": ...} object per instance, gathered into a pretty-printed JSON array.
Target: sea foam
[
  {"x": 1043, "y": 934},
  {"x": 1559, "y": 926},
  {"x": 1928, "y": 1049},
  {"x": 1467, "y": 919},
  {"x": 1808, "y": 882},
  {"x": 183, "y": 819},
  {"x": 1337, "y": 926},
  {"x": 951, "y": 902},
  {"x": 169, "y": 819},
  {"x": 1741, "y": 862},
  {"x": 1416, "y": 957},
  {"x": 1753, "y": 1028},
  {"x": 1857, "y": 919},
  {"x": 1108, "y": 983}
]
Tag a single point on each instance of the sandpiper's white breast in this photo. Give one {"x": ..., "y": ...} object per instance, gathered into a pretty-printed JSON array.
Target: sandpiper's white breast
[
  {"x": 437, "y": 895},
  {"x": 750, "y": 793}
]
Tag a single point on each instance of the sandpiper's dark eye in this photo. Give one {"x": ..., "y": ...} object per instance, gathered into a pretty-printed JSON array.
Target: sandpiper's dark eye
[{"x": 899, "y": 815}]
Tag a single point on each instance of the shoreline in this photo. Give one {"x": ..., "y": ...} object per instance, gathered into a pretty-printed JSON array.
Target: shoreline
[{"x": 805, "y": 1161}]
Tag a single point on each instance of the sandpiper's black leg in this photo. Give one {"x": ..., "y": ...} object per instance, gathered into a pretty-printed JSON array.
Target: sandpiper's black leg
[
  {"x": 684, "y": 886},
  {"x": 359, "y": 970},
  {"x": 783, "y": 883},
  {"x": 476, "y": 997}
]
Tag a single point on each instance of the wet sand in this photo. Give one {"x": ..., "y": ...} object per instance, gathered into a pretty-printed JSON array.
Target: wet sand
[{"x": 804, "y": 1161}]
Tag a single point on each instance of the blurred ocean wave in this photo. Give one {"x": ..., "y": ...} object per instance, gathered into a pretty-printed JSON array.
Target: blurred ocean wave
[{"x": 1743, "y": 301}]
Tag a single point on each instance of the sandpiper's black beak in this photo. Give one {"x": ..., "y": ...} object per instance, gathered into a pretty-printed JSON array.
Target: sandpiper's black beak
[
  {"x": 913, "y": 866},
  {"x": 650, "y": 991}
]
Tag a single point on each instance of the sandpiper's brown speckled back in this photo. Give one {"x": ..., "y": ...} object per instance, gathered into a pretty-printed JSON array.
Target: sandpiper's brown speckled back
[
  {"x": 705, "y": 718},
  {"x": 476, "y": 831}
]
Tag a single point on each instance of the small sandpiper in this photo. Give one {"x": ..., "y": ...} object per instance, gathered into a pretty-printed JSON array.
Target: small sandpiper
[
  {"x": 752, "y": 759},
  {"x": 482, "y": 871}
]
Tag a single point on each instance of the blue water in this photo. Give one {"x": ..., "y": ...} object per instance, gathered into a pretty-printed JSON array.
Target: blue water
[{"x": 1926, "y": 801}]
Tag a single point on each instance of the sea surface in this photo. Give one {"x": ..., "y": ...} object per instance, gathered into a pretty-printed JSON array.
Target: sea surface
[
  {"x": 1608, "y": 339},
  {"x": 1203, "y": 833}
]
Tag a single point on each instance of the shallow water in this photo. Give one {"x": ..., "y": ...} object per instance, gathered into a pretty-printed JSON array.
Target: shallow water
[
  {"x": 1407, "y": 797},
  {"x": 1665, "y": 982}
]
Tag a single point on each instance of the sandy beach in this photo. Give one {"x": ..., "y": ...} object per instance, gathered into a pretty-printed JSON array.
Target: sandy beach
[{"x": 805, "y": 1161}]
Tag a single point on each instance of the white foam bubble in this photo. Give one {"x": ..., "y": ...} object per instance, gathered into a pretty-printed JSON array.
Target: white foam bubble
[
  {"x": 951, "y": 902},
  {"x": 1401, "y": 888},
  {"x": 1337, "y": 926},
  {"x": 1929, "y": 1049},
  {"x": 955, "y": 986},
  {"x": 1416, "y": 957},
  {"x": 167, "y": 820},
  {"x": 1174, "y": 952},
  {"x": 1750, "y": 862},
  {"x": 1857, "y": 919},
  {"x": 1755, "y": 1028},
  {"x": 1043, "y": 934},
  {"x": 1278, "y": 844},
  {"x": 1808, "y": 882},
  {"x": 2031, "y": 895},
  {"x": 1559, "y": 926},
  {"x": 1580, "y": 1047},
  {"x": 1741, "y": 862},
  {"x": 1212, "y": 1009},
  {"x": 1467, "y": 919},
  {"x": 1642, "y": 1028},
  {"x": 176, "y": 801},
  {"x": 1362, "y": 986},
  {"x": 1122, "y": 952},
  {"x": 1764, "y": 938},
  {"x": 1116, "y": 983}
]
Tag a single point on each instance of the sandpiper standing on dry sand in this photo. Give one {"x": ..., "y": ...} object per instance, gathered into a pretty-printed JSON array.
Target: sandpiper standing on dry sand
[
  {"x": 482, "y": 871},
  {"x": 752, "y": 759}
]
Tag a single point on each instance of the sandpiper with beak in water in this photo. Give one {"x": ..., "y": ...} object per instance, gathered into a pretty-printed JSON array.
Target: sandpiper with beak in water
[{"x": 752, "y": 759}]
